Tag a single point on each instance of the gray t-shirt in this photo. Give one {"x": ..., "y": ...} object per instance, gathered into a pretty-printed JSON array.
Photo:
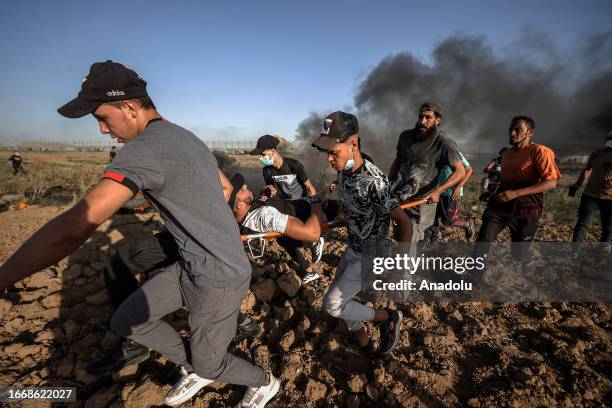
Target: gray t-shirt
[
  {"x": 179, "y": 175},
  {"x": 422, "y": 158}
]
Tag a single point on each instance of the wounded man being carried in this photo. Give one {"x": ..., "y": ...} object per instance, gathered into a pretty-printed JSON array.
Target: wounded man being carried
[{"x": 298, "y": 220}]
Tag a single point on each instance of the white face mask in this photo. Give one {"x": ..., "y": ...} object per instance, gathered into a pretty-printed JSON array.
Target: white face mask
[
  {"x": 609, "y": 143},
  {"x": 266, "y": 161},
  {"x": 351, "y": 162}
]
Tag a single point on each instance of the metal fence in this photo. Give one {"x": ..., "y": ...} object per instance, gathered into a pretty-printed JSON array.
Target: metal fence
[{"x": 105, "y": 145}]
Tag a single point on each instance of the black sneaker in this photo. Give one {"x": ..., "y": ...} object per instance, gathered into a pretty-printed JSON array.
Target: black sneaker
[
  {"x": 389, "y": 336},
  {"x": 247, "y": 329},
  {"x": 126, "y": 353}
]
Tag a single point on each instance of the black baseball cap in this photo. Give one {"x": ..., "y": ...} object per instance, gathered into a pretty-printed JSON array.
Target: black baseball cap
[
  {"x": 237, "y": 183},
  {"x": 264, "y": 143},
  {"x": 106, "y": 82},
  {"x": 434, "y": 107},
  {"x": 337, "y": 127}
]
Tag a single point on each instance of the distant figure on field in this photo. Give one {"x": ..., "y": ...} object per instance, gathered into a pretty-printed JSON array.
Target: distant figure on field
[
  {"x": 113, "y": 153},
  {"x": 17, "y": 162}
]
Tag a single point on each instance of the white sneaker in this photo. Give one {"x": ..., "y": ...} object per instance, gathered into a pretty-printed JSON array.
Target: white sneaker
[
  {"x": 311, "y": 276},
  {"x": 317, "y": 250},
  {"x": 185, "y": 388},
  {"x": 259, "y": 397}
]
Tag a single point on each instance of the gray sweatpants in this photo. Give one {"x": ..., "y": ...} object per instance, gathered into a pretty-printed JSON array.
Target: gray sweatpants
[
  {"x": 213, "y": 316},
  {"x": 422, "y": 217},
  {"x": 338, "y": 300}
]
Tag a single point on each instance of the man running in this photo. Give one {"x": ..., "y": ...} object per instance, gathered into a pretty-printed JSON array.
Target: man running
[
  {"x": 527, "y": 171},
  {"x": 368, "y": 206},
  {"x": 17, "y": 162},
  {"x": 285, "y": 177},
  {"x": 450, "y": 202},
  {"x": 422, "y": 153},
  {"x": 113, "y": 152},
  {"x": 299, "y": 220},
  {"x": 211, "y": 278},
  {"x": 597, "y": 195}
]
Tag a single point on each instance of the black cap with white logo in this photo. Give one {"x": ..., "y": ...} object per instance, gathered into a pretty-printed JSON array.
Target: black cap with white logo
[
  {"x": 106, "y": 82},
  {"x": 337, "y": 127}
]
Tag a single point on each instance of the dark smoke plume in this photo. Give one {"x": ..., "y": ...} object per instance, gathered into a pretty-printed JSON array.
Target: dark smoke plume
[{"x": 567, "y": 92}]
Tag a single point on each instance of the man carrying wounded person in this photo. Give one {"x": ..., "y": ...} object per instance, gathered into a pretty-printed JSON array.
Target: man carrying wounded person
[
  {"x": 299, "y": 220},
  {"x": 213, "y": 274},
  {"x": 421, "y": 153},
  {"x": 144, "y": 256},
  {"x": 368, "y": 206}
]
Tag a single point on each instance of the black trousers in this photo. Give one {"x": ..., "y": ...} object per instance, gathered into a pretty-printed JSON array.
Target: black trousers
[
  {"x": 147, "y": 254},
  {"x": 18, "y": 168},
  {"x": 522, "y": 233},
  {"x": 588, "y": 207}
]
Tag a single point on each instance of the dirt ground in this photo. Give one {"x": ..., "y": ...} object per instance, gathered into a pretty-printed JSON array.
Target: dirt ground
[{"x": 477, "y": 354}]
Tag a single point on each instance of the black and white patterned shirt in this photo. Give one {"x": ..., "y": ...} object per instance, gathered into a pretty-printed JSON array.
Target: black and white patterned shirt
[{"x": 367, "y": 201}]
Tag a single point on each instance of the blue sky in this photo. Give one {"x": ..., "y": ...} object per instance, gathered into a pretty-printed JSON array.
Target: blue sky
[{"x": 243, "y": 68}]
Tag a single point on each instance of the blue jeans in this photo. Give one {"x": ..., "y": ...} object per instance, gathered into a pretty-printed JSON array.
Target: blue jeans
[{"x": 588, "y": 207}]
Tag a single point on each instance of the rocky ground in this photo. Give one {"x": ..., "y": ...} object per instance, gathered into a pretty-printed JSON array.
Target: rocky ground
[{"x": 450, "y": 354}]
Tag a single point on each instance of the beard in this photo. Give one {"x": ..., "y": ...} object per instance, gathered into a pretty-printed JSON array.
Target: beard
[{"x": 425, "y": 131}]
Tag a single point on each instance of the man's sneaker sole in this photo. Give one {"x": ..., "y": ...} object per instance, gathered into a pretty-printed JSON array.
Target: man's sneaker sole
[
  {"x": 396, "y": 332},
  {"x": 269, "y": 396},
  {"x": 203, "y": 383},
  {"x": 320, "y": 243},
  {"x": 311, "y": 277}
]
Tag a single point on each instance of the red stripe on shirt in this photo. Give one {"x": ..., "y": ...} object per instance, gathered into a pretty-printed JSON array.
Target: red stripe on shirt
[{"x": 114, "y": 176}]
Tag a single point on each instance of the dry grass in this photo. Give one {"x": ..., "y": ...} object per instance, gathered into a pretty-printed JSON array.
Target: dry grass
[{"x": 53, "y": 178}]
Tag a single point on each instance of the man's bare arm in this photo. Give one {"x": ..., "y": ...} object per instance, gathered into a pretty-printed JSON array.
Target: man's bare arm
[
  {"x": 585, "y": 174},
  {"x": 310, "y": 190},
  {"x": 306, "y": 231},
  {"x": 65, "y": 233},
  {"x": 468, "y": 173},
  {"x": 458, "y": 173},
  {"x": 540, "y": 187},
  {"x": 226, "y": 185}
]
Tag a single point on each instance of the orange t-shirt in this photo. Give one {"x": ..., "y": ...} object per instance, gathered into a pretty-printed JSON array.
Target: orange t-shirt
[{"x": 528, "y": 166}]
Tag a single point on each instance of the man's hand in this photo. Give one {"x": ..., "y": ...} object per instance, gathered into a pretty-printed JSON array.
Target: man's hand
[
  {"x": 573, "y": 189},
  {"x": 270, "y": 191},
  {"x": 433, "y": 197},
  {"x": 457, "y": 193},
  {"x": 507, "y": 195},
  {"x": 332, "y": 187}
]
